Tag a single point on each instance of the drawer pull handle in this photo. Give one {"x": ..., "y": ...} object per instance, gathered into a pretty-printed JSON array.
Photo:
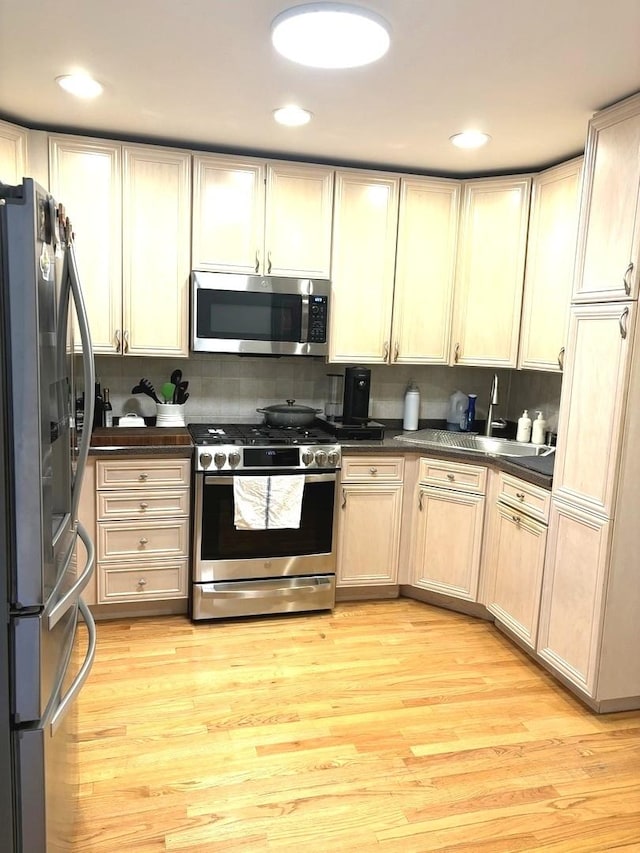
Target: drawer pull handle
[
  {"x": 520, "y": 496},
  {"x": 420, "y": 500},
  {"x": 143, "y": 540},
  {"x": 142, "y": 582},
  {"x": 516, "y": 518},
  {"x": 143, "y": 505},
  {"x": 373, "y": 470},
  {"x": 143, "y": 476},
  {"x": 626, "y": 279},
  {"x": 450, "y": 478}
]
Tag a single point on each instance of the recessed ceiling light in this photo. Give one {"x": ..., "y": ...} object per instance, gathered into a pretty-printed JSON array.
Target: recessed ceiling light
[
  {"x": 470, "y": 139},
  {"x": 292, "y": 116},
  {"x": 330, "y": 35},
  {"x": 80, "y": 85}
]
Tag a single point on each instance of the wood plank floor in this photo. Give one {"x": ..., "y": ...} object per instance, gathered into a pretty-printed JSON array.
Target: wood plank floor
[{"x": 384, "y": 726}]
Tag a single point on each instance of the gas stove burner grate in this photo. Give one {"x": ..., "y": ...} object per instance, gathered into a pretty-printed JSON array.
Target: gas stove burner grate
[{"x": 248, "y": 435}]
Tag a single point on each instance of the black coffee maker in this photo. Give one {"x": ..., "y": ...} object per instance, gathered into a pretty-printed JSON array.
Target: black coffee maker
[{"x": 357, "y": 388}]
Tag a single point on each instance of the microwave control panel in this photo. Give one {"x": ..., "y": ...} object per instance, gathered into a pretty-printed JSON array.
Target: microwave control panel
[{"x": 318, "y": 319}]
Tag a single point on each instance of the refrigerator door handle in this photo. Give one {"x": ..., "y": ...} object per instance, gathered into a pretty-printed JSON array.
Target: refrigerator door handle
[
  {"x": 89, "y": 375},
  {"x": 83, "y": 673},
  {"x": 60, "y": 608}
]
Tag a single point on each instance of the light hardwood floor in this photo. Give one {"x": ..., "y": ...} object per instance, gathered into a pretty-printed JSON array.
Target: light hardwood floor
[{"x": 390, "y": 726}]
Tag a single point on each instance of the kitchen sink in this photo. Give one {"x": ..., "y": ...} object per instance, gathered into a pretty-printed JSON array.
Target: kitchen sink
[{"x": 473, "y": 443}]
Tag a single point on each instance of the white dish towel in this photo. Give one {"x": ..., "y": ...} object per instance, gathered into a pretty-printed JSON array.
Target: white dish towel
[{"x": 267, "y": 503}]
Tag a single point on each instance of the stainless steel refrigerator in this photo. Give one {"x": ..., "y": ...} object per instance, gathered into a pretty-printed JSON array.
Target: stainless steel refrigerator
[{"x": 47, "y": 637}]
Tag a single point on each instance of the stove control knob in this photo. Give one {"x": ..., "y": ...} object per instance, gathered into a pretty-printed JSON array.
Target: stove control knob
[
  {"x": 307, "y": 457},
  {"x": 205, "y": 459},
  {"x": 234, "y": 458},
  {"x": 219, "y": 458},
  {"x": 321, "y": 458},
  {"x": 333, "y": 458}
]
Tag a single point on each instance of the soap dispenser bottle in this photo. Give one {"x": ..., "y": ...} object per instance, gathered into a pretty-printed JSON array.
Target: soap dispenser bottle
[
  {"x": 524, "y": 427},
  {"x": 539, "y": 427}
]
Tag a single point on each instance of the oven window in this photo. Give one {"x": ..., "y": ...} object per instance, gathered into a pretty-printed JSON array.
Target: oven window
[
  {"x": 240, "y": 315},
  {"x": 221, "y": 541}
]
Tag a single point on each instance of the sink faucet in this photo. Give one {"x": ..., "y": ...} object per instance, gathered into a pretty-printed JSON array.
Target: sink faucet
[{"x": 499, "y": 423}]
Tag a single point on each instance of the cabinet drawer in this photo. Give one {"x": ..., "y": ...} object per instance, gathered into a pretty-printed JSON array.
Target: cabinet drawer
[
  {"x": 368, "y": 469},
  {"x": 530, "y": 499},
  {"x": 148, "y": 504},
  {"x": 453, "y": 475},
  {"x": 126, "y": 540},
  {"x": 120, "y": 582},
  {"x": 142, "y": 473}
]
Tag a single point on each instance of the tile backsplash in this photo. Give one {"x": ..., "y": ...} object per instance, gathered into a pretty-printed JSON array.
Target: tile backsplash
[{"x": 230, "y": 387}]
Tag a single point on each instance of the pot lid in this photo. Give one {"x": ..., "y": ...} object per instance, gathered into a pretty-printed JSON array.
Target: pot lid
[{"x": 289, "y": 408}]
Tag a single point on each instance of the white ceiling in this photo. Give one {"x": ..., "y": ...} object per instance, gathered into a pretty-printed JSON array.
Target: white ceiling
[{"x": 203, "y": 72}]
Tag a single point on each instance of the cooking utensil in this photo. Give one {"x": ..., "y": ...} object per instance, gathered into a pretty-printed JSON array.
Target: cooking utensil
[
  {"x": 167, "y": 391},
  {"x": 176, "y": 377},
  {"x": 145, "y": 387},
  {"x": 179, "y": 393},
  {"x": 287, "y": 414}
]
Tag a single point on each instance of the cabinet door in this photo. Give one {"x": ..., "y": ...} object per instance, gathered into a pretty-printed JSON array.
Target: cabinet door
[
  {"x": 490, "y": 272},
  {"x": 297, "y": 238},
  {"x": 548, "y": 281},
  {"x": 363, "y": 261},
  {"x": 156, "y": 229},
  {"x": 425, "y": 268},
  {"x": 369, "y": 534},
  {"x": 448, "y": 542},
  {"x": 228, "y": 214},
  {"x": 516, "y": 561},
  {"x": 592, "y": 404},
  {"x": 573, "y": 594},
  {"x": 13, "y": 153},
  {"x": 86, "y": 177},
  {"x": 609, "y": 231}
]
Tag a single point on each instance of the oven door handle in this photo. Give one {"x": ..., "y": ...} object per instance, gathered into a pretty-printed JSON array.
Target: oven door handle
[
  {"x": 283, "y": 588},
  {"x": 215, "y": 480}
]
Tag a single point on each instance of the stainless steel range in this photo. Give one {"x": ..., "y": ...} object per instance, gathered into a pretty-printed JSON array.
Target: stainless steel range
[{"x": 263, "y": 569}]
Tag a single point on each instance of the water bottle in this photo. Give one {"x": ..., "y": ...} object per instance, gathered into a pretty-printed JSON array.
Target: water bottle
[{"x": 411, "y": 407}]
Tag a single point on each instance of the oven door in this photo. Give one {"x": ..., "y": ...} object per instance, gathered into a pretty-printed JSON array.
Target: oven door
[{"x": 222, "y": 553}]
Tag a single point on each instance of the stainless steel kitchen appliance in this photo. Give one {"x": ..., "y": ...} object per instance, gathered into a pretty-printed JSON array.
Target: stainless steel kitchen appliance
[
  {"x": 240, "y": 572},
  {"x": 41, "y": 469},
  {"x": 355, "y": 424},
  {"x": 259, "y": 315}
]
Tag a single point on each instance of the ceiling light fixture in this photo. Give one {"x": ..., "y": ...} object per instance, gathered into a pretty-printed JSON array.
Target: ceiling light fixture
[
  {"x": 470, "y": 139},
  {"x": 292, "y": 116},
  {"x": 330, "y": 35},
  {"x": 80, "y": 85}
]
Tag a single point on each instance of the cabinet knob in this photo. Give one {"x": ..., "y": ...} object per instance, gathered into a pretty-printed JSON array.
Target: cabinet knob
[
  {"x": 516, "y": 518},
  {"x": 143, "y": 505},
  {"x": 143, "y": 540},
  {"x": 450, "y": 478},
  {"x": 373, "y": 470},
  {"x": 142, "y": 582},
  {"x": 520, "y": 496},
  {"x": 143, "y": 476}
]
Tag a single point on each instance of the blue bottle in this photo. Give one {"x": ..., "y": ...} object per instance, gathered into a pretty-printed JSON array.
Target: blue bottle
[{"x": 470, "y": 414}]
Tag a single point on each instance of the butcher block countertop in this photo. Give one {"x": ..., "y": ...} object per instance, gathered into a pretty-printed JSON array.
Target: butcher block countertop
[{"x": 150, "y": 441}]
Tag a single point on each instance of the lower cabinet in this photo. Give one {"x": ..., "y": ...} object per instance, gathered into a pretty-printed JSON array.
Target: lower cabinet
[
  {"x": 142, "y": 529},
  {"x": 370, "y": 504},
  {"x": 448, "y": 523}
]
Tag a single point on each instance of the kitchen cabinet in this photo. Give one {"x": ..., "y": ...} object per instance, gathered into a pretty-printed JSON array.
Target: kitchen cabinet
[
  {"x": 363, "y": 264},
  {"x": 609, "y": 232},
  {"x": 425, "y": 270},
  {"x": 490, "y": 271},
  {"x": 265, "y": 218},
  {"x": 13, "y": 153},
  {"x": 517, "y": 535},
  {"x": 142, "y": 515},
  {"x": 129, "y": 206},
  {"x": 548, "y": 281},
  {"x": 448, "y": 528},
  {"x": 370, "y": 496}
]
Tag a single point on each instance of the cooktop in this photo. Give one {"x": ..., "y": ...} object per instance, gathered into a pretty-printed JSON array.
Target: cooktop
[{"x": 257, "y": 435}]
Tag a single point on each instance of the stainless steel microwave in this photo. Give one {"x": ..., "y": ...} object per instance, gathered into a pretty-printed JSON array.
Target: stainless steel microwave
[{"x": 259, "y": 315}]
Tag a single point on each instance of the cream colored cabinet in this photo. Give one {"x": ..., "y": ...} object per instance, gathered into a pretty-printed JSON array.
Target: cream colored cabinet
[
  {"x": 142, "y": 513},
  {"x": 370, "y": 497},
  {"x": 425, "y": 270},
  {"x": 548, "y": 281},
  {"x": 132, "y": 240},
  {"x": 599, "y": 348},
  {"x": 447, "y": 530},
  {"x": 609, "y": 234},
  {"x": 517, "y": 535},
  {"x": 13, "y": 153},
  {"x": 363, "y": 263},
  {"x": 270, "y": 219},
  {"x": 87, "y": 517},
  {"x": 490, "y": 271}
]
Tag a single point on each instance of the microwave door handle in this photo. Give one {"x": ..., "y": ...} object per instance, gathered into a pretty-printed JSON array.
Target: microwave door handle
[
  {"x": 304, "y": 319},
  {"x": 89, "y": 373}
]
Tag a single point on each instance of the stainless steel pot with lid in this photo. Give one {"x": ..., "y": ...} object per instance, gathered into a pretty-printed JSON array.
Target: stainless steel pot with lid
[{"x": 288, "y": 414}]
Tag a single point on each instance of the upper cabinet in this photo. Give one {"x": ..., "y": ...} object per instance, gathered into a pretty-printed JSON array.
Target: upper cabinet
[
  {"x": 132, "y": 229},
  {"x": 551, "y": 248},
  {"x": 425, "y": 271},
  {"x": 490, "y": 271},
  {"x": 13, "y": 153},
  {"x": 239, "y": 226},
  {"x": 363, "y": 261},
  {"x": 608, "y": 245}
]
